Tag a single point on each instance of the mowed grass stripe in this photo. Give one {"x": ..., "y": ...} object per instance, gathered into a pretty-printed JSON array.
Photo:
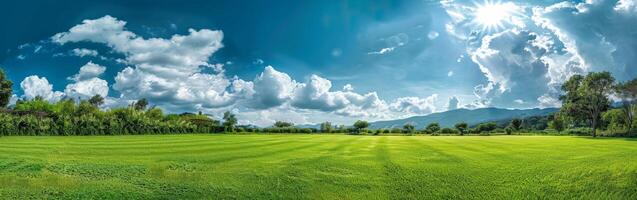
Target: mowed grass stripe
[{"x": 317, "y": 167}]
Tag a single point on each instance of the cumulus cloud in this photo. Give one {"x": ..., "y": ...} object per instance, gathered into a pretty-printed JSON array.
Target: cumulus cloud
[
  {"x": 89, "y": 70},
  {"x": 453, "y": 103},
  {"x": 415, "y": 105},
  {"x": 166, "y": 71},
  {"x": 34, "y": 86},
  {"x": 348, "y": 87},
  {"x": 599, "y": 33},
  {"x": 272, "y": 88},
  {"x": 87, "y": 83},
  {"x": 81, "y": 52},
  {"x": 509, "y": 60},
  {"x": 316, "y": 94}
]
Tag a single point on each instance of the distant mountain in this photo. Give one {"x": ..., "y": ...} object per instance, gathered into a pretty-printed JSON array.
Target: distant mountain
[{"x": 471, "y": 117}]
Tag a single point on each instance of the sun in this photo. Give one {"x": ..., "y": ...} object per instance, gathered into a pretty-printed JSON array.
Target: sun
[{"x": 493, "y": 15}]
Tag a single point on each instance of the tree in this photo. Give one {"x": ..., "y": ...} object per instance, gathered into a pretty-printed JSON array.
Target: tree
[
  {"x": 5, "y": 90},
  {"x": 587, "y": 97},
  {"x": 432, "y": 128},
  {"x": 408, "y": 128},
  {"x": 96, "y": 100},
  {"x": 282, "y": 124},
  {"x": 462, "y": 127},
  {"x": 326, "y": 127},
  {"x": 360, "y": 125},
  {"x": 627, "y": 93},
  {"x": 486, "y": 127},
  {"x": 557, "y": 123},
  {"x": 141, "y": 104},
  {"x": 614, "y": 120},
  {"x": 516, "y": 124},
  {"x": 229, "y": 121}
]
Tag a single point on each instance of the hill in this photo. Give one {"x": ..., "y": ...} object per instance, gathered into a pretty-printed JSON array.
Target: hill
[{"x": 471, "y": 117}]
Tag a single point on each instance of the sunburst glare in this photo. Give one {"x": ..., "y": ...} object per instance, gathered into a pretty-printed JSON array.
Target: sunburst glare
[{"x": 494, "y": 15}]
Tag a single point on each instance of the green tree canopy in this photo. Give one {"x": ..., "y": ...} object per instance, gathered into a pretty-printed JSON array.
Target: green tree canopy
[
  {"x": 627, "y": 93},
  {"x": 229, "y": 121},
  {"x": 282, "y": 124},
  {"x": 432, "y": 128},
  {"x": 586, "y": 98},
  {"x": 462, "y": 127},
  {"x": 96, "y": 100},
  {"x": 360, "y": 125},
  {"x": 141, "y": 104},
  {"x": 5, "y": 90}
]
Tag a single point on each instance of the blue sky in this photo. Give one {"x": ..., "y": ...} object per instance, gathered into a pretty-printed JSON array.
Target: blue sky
[{"x": 308, "y": 62}]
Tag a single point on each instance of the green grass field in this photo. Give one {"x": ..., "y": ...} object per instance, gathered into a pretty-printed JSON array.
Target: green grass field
[{"x": 317, "y": 167}]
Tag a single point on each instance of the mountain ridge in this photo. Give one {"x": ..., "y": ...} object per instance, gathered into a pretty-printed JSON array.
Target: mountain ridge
[{"x": 471, "y": 117}]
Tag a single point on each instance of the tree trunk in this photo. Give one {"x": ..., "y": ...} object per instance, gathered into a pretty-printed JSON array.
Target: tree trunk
[{"x": 594, "y": 124}]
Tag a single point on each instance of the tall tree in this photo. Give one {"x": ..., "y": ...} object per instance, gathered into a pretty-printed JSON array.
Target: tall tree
[
  {"x": 557, "y": 123},
  {"x": 141, "y": 104},
  {"x": 360, "y": 125},
  {"x": 5, "y": 89},
  {"x": 408, "y": 128},
  {"x": 326, "y": 127},
  {"x": 96, "y": 100},
  {"x": 586, "y": 98},
  {"x": 229, "y": 121},
  {"x": 516, "y": 124},
  {"x": 627, "y": 93},
  {"x": 462, "y": 127},
  {"x": 432, "y": 128}
]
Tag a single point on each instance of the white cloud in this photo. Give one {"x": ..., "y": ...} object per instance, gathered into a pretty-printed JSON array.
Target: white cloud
[
  {"x": 166, "y": 71},
  {"x": 453, "y": 103},
  {"x": 382, "y": 51},
  {"x": 87, "y": 83},
  {"x": 433, "y": 35},
  {"x": 316, "y": 94},
  {"x": 89, "y": 70},
  {"x": 415, "y": 105},
  {"x": 450, "y": 73},
  {"x": 81, "y": 52},
  {"x": 87, "y": 88},
  {"x": 627, "y": 6},
  {"x": 272, "y": 88},
  {"x": 34, "y": 86},
  {"x": 348, "y": 87}
]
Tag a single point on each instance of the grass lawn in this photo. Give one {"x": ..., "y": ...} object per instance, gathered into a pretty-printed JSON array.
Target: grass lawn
[{"x": 317, "y": 167}]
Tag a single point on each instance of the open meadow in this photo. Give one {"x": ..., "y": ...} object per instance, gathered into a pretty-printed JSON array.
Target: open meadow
[{"x": 317, "y": 167}]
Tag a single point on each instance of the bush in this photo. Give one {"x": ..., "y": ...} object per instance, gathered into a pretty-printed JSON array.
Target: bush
[
  {"x": 580, "y": 131},
  {"x": 448, "y": 131}
]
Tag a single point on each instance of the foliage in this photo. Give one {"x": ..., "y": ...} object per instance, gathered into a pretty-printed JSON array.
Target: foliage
[
  {"x": 141, "y": 104},
  {"x": 516, "y": 124},
  {"x": 66, "y": 117},
  {"x": 557, "y": 123},
  {"x": 448, "y": 131},
  {"x": 5, "y": 90},
  {"x": 462, "y": 127},
  {"x": 485, "y": 127},
  {"x": 432, "y": 128},
  {"x": 586, "y": 98},
  {"x": 326, "y": 127},
  {"x": 614, "y": 120},
  {"x": 408, "y": 128},
  {"x": 627, "y": 93},
  {"x": 96, "y": 100},
  {"x": 229, "y": 121},
  {"x": 360, "y": 125},
  {"x": 282, "y": 124}
]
